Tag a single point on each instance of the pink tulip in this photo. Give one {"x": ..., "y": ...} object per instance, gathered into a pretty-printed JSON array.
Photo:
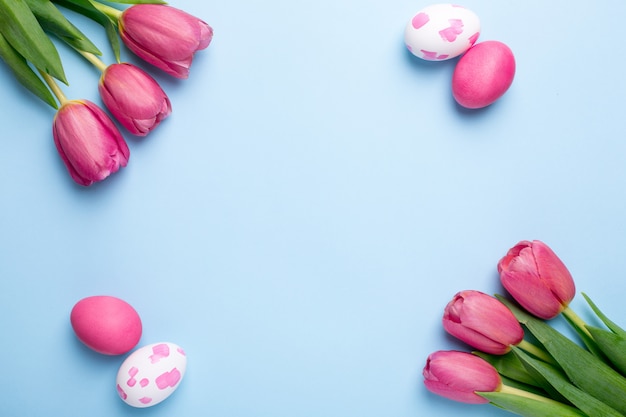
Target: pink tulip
[
  {"x": 88, "y": 141},
  {"x": 482, "y": 322},
  {"x": 459, "y": 375},
  {"x": 537, "y": 279},
  {"x": 134, "y": 98},
  {"x": 164, "y": 36}
]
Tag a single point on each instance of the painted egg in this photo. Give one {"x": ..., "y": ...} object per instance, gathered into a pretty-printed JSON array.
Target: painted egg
[
  {"x": 483, "y": 74},
  {"x": 106, "y": 324},
  {"x": 442, "y": 31},
  {"x": 151, "y": 374}
]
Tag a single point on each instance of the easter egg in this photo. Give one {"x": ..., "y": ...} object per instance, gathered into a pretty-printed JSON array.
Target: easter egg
[
  {"x": 106, "y": 324},
  {"x": 151, "y": 374},
  {"x": 483, "y": 74},
  {"x": 441, "y": 31}
]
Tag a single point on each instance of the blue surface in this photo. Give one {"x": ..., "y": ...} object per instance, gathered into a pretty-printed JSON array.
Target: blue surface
[{"x": 314, "y": 201}]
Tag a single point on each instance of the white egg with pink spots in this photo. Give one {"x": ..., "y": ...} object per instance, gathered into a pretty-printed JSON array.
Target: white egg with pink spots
[
  {"x": 151, "y": 374},
  {"x": 442, "y": 31}
]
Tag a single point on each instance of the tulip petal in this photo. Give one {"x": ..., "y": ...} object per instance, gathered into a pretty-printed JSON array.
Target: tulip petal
[
  {"x": 457, "y": 375},
  {"x": 482, "y": 321},
  {"x": 164, "y": 36},
  {"x": 134, "y": 98},
  {"x": 520, "y": 275},
  {"x": 170, "y": 32},
  {"x": 176, "y": 69},
  {"x": 554, "y": 272},
  {"x": 475, "y": 339},
  {"x": 88, "y": 142},
  {"x": 206, "y": 35}
]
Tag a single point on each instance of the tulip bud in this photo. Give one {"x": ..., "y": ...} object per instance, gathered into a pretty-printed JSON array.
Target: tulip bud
[
  {"x": 459, "y": 375},
  {"x": 134, "y": 98},
  {"x": 88, "y": 141},
  {"x": 482, "y": 322},
  {"x": 164, "y": 36},
  {"x": 537, "y": 279}
]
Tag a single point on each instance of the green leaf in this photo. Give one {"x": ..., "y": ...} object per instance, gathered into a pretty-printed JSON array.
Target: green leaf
[
  {"x": 510, "y": 366},
  {"x": 87, "y": 9},
  {"x": 529, "y": 405},
  {"x": 611, "y": 325},
  {"x": 584, "y": 370},
  {"x": 22, "y": 30},
  {"x": 114, "y": 39},
  {"x": 53, "y": 21},
  {"x": 573, "y": 394},
  {"x": 24, "y": 73},
  {"x": 613, "y": 345}
]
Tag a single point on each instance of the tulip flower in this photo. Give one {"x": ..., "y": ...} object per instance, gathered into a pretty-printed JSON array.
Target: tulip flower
[
  {"x": 88, "y": 141},
  {"x": 467, "y": 378},
  {"x": 164, "y": 36},
  {"x": 537, "y": 279},
  {"x": 482, "y": 322},
  {"x": 134, "y": 98},
  {"x": 459, "y": 375}
]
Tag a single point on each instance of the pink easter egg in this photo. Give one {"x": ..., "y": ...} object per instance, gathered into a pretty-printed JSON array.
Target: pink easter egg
[
  {"x": 106, "y": 324},
  {"x": 483, "y": 74},
  {"x": 151, "y": 374},
  {"x": 441, "y": 31}
]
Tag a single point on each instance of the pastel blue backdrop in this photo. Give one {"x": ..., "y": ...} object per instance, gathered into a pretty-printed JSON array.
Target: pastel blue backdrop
[{"x": 314, "y": 201}]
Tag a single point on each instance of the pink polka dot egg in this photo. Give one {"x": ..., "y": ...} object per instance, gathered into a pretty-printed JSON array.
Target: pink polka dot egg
[
  {"x": 151, "y": 374},
  {"x": 442, "y": 31}
]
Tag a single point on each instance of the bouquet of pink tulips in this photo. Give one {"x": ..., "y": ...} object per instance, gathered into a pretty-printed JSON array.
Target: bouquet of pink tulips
[
  {"x": 545, "y": 374},
  {"x": 87, "y": 140}
]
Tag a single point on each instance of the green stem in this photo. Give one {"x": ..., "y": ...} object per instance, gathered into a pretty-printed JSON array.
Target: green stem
[
  {"x": 576, "y": 320},
  {"x": 536, "y": 351},
  {"x": 506, "y": 389},
  {"x": 111, "y": 12},
  {"x": 56, "y": 90},
  {"x": 97, "y": 62}
]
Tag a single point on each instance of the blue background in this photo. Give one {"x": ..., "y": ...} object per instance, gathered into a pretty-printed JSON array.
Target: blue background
[{"x": 314, "y": 201}]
